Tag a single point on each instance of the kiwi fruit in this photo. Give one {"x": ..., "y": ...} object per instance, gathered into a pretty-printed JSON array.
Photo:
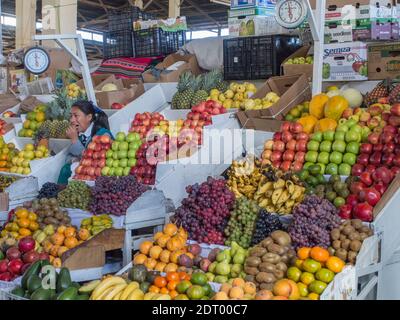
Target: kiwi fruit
[
  {"x": 281, "y": 266},
  {"x": 351, "y": 257},
  {"x": 356, "y": 223},
  {"x": 331, "y": 251},
  {"x": 249, "y": 278},
  {"x": 363, "y": 236},
  {"x": 265, "y": 277},
  {"x": 335, "y": 234},
  {"x": 355, "y": 245},
  {"x": 275, "y": 248},
  {"x": 348, "y": 230},
  {"x": 354, "y": 236},
  {"x": 345, "y": 244},
  {"x": 341, "y": 254},
  {"x": 364, "y": 229},
  {"x": 267, "y": 267},
  {"x": 342, "y": 237},
  {"x": 253, "y": 261},
  {"x": 337, "y": 244},
  {"x": 266, "y": 242},
  {"x": 279, "y": 274},
  {"x": 251, "y": 270},
  {"x": 258, "y": 251},
  {"x": 266, "y": 286},
  {"x": 281, "y": 237}
]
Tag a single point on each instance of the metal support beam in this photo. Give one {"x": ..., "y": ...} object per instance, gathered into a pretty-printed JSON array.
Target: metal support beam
[
  {"x": 205, "y": 14},
  {"x": 174, "y": 9},
  {"x": 26, "y": 22}
]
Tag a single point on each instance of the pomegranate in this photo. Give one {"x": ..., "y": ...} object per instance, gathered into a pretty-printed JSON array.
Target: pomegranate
[
  {"x": 382, "y": 174},
  {"x": 26, "y": 244},
  {"x": 13, "y": 253},
  {"x": 352, "y": 200},
  {"x": 15, "y": 266},
  {"x": 345, "y": 211},
  {"x": 363, "y": 211},
  {"x": 370, "y": 195}
]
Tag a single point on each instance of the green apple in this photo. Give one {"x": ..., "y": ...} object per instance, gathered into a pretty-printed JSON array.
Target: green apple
[
  {"x": 351, "y": 122},
  {"x": 365, "y": 133},
  {"x": 325, "y": 146},
  {"x": 115, "y": 156},
  {"x": 120, "y": 137},
  {"x": 112, "y": 172},
  {"x": 329, "y": 135},
  {"x": 130, "y": 137},
  {"x": 123, "y": 146},
  {"x": 126, "y": 171},
  {"x": 123, "y": 163},
  {"x": 132, "y": 162},
  {"x": 115, "y": 146},
  {"x": 336, "y": 157},
  {"x": 109, "y": 154},
  {"x": 105, "y": 171},
  {"x": 323, "y": 158},
  {"x": 342, "y": 128},
  {"x": 317, "y": 136},
  {"x": 332, "y": 168},
  {"x": 352, "y": 136},
  {"x": 339, "y": 146},
  {"x": 344, "y": 169},
  {"x": 308, "y": 164},
  {"x": 339, "y": 136},
  {"x": 123, "y": 154},
  {"x": 323, "y": 167},
  {"x": 131, "y": 154},
  {"x": 109, "y": 162},
  {"x": 356, "y": 128},
  {"x": 116, "y": 164},
  {"x": 311, "y": 156},
  {"x": 119, "y": 171},
  {"x": 349, "y": 158},
  {"x": 313, "y": 146},
  {"x": 353, "y": 147}
]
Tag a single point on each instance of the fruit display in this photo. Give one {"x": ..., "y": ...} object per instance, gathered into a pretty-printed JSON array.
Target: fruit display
[
  {"x": 206, "y": 211},
  {"x": 332, "y": 189},
  {"x": 114, "y": 195},
  {"x": 266, "y": 223},
  {"x": 6, "y": 181},
  {"x": 311, "y": 273},
  {"x": 301, "y": 60},
  {"x": 49, "y": 212},
  {"x": 21, "y": 162},
  {"x": 61, "y": 241},
  {"x": 34, "y": 284},
  {"x": 366, "y": 192},
  {"x": 9, "y": 114},
  {"x": 4, "y": 128},
  {"x": 93, "y": 159},
  {"x": 335, "y": 152},
  {"x": 167, "y": 252},
  {"x": 301, "y": 110},
  {"x": 193, "y": 90},
  {"x": 74, "y": 91},
  {"x": 268, "y": 261},
  {"x": 279, "y": 192},
  {"x": 313, "y": 220},
  {"x": 18, "y": 259},
  {"x": 49, "y": 190},
  {"x": 76, "y": 195},
  {"x": 144, "y": 123},
  {"x": 24, "y": 223},
  {"x": 234, "y": 96},
  {"x": 7, "y": 153},
  {"x": 241, "y": 222},
  {"x": 244, "y": 177},
  {"x": 287, "y": 150},
  {"x": 236, "y": 289},
  {"x": 259, "y": 104},
  {"x": 146, "y": 161},
  {"x": 121, "y": 158},
  {"x": 348, "y": 239},
  {"x": 34, "y": 120},
  {"x": 97, "y": 224}
]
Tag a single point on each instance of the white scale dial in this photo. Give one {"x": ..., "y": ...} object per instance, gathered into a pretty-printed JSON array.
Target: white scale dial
[
  {"x": 291, "y": 13},
  {"x": 36, "y": 60}
]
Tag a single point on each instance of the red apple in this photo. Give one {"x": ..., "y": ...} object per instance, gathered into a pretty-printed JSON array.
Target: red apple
[
  {"x": 300, "y": 157},
  {"x": 378, "y": 147},
  {"x": 366, "y": 178},
  {"x": 285, "y": 126},
  {"x": 390, "y": 129},
  {"x": 296, "y": 127},
  {"x": 277, "y": 136},
  {"x": 279, "y": 146},
  {"x": 302, "y": 136},
  {"x": 396, "y": 160},
  {"x": 370, "y": 168},
  {"x": 301, "y": 145},
  {"x": 373, "y": 138},
  {"x": 380, "y": 187},
  {"x": 345, "y": 212},
  {"x": 363, "y": 211},
  {"x": 363, "y": 159},
  {"x": 382, "y": 174},
  {"x": 395, "y": 171},
  {"x": 296, "y": 166},
  {"x": 395, "y": 110},
  {"x": 366, "y": 148},
  {"x": 288, "y": 155},
  {"x": 376, "y": 158},
  {"x": 356, "y": 187},
  {"x": 276, "y": 156},
  {"x": 352, "y": 200},
  {"x": 286, "y": 136},
  {"x": 285, "y": 166},
  {"x": 357, "y": 169},
  {"x": 291, "y": 145},
  {"x": 387, "y": 159},
  {"x": 92, "y": 146}
]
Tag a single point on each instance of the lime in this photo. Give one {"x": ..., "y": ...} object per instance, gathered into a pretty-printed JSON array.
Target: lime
[
  {"x": 338, "y": 202},
  {"x": 312, "y": 181},
  {"x": 199, "y": 278},
  {"x": 195, "y": 292},
  {"x": 315, "y": 169},
  {"x": 183, "y": 286}
]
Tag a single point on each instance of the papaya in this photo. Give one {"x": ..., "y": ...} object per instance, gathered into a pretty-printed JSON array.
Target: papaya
[
  {"x": 317, "y": 105},
  {"x": 41, "y": 294},
  {"x": 308, "y": 123},
  {"x": 325, "y": 125},
  {"x": 34, "y": 269},
  {"x": 335, "y": 107},
  {"x": 70, "y": 293},
  {"x": 63, "y": 280}
]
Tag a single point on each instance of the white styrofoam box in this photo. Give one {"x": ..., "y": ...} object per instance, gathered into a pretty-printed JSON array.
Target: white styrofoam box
[
  {"x": 14, "y": 109},
  {"x": 152, "y": 100},
  {"x": 345, "y": 62},
  {"x": 174, "y": 115},
  {"x": 254, "y": 140},
  {"x": 45, "y": 98},
  {"x": 343, "y": 286},
  {"x": 169, "y": 88},
  {"x": 22, "y": 188},
  {"x": 261, "y": 26},
  {"x": 369, "y": 252}
]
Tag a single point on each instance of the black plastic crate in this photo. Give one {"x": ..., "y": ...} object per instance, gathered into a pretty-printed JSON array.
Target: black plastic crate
[
  {"x": 253, "y": 58},
  {"x": 123, "y": 19},
  {"x": 118, "y": 44},
  {"x": 156, "y": 42}
]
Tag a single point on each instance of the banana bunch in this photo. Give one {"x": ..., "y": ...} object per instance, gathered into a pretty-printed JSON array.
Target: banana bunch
[
  {"x": 97, "y": 224},
  {"x": 279, "y": 196}
]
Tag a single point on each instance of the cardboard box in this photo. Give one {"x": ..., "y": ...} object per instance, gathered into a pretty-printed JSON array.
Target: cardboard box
[
  {"x": 244, "y": 26},
  {"x": 345, "y": 62},
  {"x": 256, "y": 11},
  {"x": 190, "y": 64},
  {"x": 4, "y": 201},
  {"x": 170, "y": 25},
  {"x": 269, "y": 125},
  {"x": 383, "y": 61},
  {"x": 99, "y": 81},
  {"x": 18, "y": 78},
  {"x": 338, "y": 32},
  {"x": 252, "y": 3},
  {"x": 7, "y": 101},
  {"x": 292, "y": 90},
  {"x": 389, "y": 193},
  {"x": 59, "y": 60},
  {"x": 293, "y": 69}
]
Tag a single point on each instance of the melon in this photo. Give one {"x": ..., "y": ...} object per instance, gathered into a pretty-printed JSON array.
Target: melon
[
  {"x": 353, "y": 96},
  {"x": 109, "y": 87},
  {"x": 333, "y": 93}
]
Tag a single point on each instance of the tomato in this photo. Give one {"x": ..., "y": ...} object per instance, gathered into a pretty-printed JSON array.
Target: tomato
[{"x": 160, "y": 282}]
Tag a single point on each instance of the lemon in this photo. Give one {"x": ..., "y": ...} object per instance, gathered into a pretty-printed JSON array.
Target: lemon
[
  {"x": 20, "y": 170},
  {"x": 214, "y": 92},
  {"x": 29, "y": 147},
  {"x": 27, "y": 171}
]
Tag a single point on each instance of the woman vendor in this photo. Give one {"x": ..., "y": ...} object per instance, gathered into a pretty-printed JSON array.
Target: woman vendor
[{"x": 87, "y": 121}]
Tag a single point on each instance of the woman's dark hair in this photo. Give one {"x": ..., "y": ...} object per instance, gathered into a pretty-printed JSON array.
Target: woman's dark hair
[{"x": 100, "y": 119}]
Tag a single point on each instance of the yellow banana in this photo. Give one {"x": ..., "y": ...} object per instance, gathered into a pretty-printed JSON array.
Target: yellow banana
[
  {"x": 290, "y": 186},
  {"x": 116, "y": 290},
  {"x": 136, "y": 294},
  {"x": 118, "y": 296},
  {"x": 105, "y": 284},
  {"x": 279, "y": 184},
  {"x": 276, "y": 195},
  {"x": 129, "y": 289},
  {"x": 284, "y": 196},
  {"x": 105, "y": 293}
]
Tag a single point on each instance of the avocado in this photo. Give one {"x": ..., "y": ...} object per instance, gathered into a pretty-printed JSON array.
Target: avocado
[
  {"x": 41, "y": 294},
  {"x": 63, "y": 280},
  {"x": 151, "y": 275},
  {"x": 70, "y": 293},
  {"x": 27, "y": 295},
  {"x": 18, "y": 291},
  {"x": 34, "y": 269},
  {"x": 34, "y": 283},
  {"x": 144, "y": 286},
  {"x": 138, "y": 273},
  {"x": 83, "y": 297},
  {"x": 53, "y": 294}
]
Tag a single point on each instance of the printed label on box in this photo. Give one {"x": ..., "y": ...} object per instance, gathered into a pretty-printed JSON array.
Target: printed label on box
[
  {"x": 254, "y": 26},
  {"x": 345, "y": 62},
  {"x": 338, "y": 32},
  {"x": 252, "y": 3}
]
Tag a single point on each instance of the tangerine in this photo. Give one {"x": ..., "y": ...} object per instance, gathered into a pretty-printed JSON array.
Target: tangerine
[
  {"x": 23, "y": 222},
  {"x": 164, "y": 291},
  {"x": 84, "y": 234},
  {"x": 172, "y": 284},
  {"x": 22, "y": 213},
  {"x": 71, "y": 242},
  {"x": 303, "y": 253},
  {"x": 335, "y": 264},
  {"x": 145, "y": 247},
  {"x": 173, "y": 294},
  {"x": 34, "y": 226},
  {"x": 140, "y": 259},
  {"x": 154, "y": 289},
  {"x": 24, "y": 232},
  {"x": 319, "y": 254},
  {"x": 173, "y": 276},
  {"x": 160, "y": 282},
  {"x": 70, "y": 232},
  {"x": 57, "y": 239}
]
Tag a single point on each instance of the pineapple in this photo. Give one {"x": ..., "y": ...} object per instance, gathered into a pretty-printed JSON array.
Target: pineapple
[
  {"x": 183, "y": 97},
  {"x": 380, "y": 91},
  {"x": 220, "y": 84},
  {"x": 54, "y": 129},
  {"x": 203, "y": 86}
]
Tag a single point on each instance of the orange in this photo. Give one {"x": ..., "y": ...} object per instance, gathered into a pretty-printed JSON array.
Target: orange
[
  {"x": 140, "y": 259},
  {"x": 303, "y": 253},
  {"x": 71, "y": 242},
  {"x": 23, "y": 222},
  {"x": 170, "y": 229},
  {"x": 84, "y": 234},
  {"x": 160, "y": 282},
  {"x": 70, "y": 232},
  {"x": 154, "y": 289},
  {"x": 299, "y": 264},
  {"x": 61, "y": 251},
  {"x": 172, "y": 284},
  {"x": 158, "y": 235},
  {"x": 319, "y": 254},
  {"x": 145, "y": 247},
  {"x": 22, "y": 213},
  {"x": 24, "y": 232},
  {"x": 54, "y": 250},
  {"x": 184, "y": 276},
  {"x": 164, "y": 291},
  {"x": 57, "y": 239},
  {"x": 173, "y": 276},
  {"x": 32, "y": 216},
  {"x": 335, "y": 264},
  {"x": 173, "y": 294},
  {"x": 61, "y": 229},
  {"x": 34, "y": 226}
]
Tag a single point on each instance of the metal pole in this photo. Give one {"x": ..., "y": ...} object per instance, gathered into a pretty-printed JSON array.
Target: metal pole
[
  {"x": 318, "y": 44},
  {"x": 1, "y": 33}
]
